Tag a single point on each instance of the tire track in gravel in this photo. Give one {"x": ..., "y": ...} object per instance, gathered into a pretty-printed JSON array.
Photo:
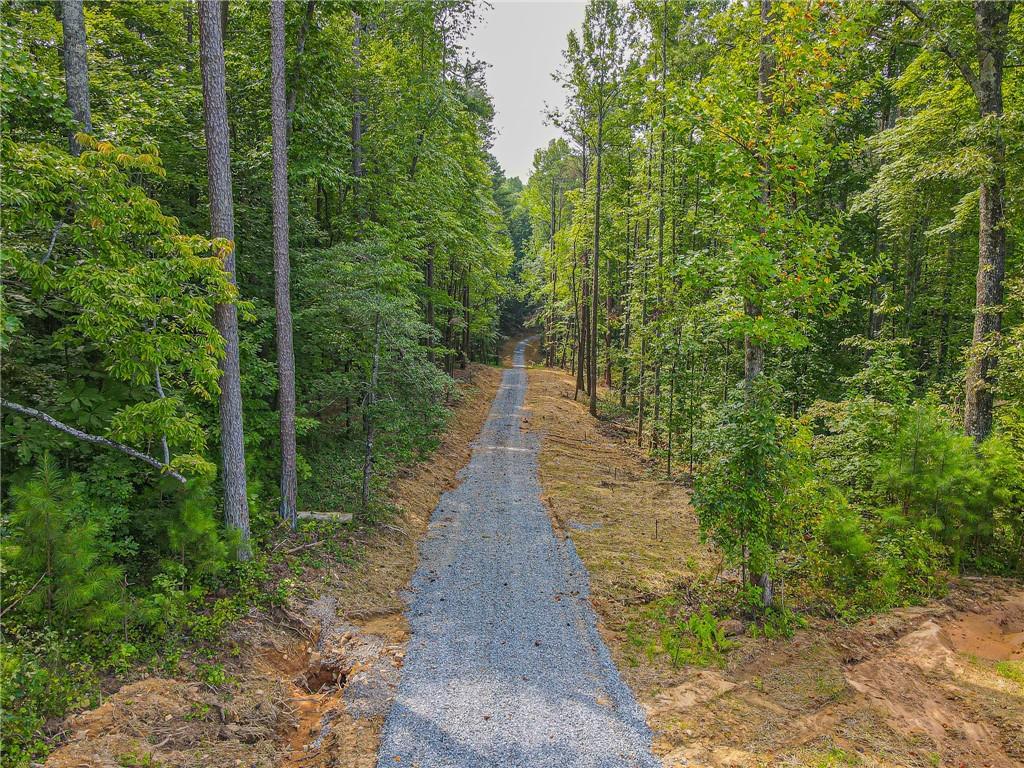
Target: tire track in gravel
[{"x": 505, "y": 666}]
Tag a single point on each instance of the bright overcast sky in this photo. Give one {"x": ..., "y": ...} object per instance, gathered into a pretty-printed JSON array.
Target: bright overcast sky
[{"x": 523, "y": 41}]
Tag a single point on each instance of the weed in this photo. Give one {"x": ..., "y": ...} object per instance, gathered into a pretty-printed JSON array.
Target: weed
[
  {"x": 1011, "y": 670},
  {"x": 836, "y": 757},
  {"x": 199, "y": 711},
  {"x": 134, "y": 760},
  {"x": 214, "y": 674},
  {"x": 697, "y": 639},
  {"x": 778, "y": 623}
]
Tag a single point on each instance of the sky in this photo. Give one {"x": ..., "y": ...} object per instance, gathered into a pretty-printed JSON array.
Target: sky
[{"x": 523, "y": 41}]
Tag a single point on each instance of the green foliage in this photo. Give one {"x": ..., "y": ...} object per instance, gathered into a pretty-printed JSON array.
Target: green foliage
[
  {"x": 802, "y": 184},
  {"x": 39, "y": 680},
  {"x": 1011, "y": 670},
  {"x": 1001, "y": 547},
  {"x": 934, "y": 480},
  {"x": 738, "y": 495},
  {"x": 109, "y": 289},
  {"x": 694, "y": 639},
  {"x": 842, "y": 536},
  {"x": 51, "y": 550},
  {"x": 822, "y": 208},
  {"x": 213, "y": 674}
]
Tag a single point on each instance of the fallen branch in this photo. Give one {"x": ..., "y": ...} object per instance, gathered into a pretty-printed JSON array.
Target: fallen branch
[
  {"x": 396, "y": 529},
  {"x": 316, "y": 543},
  {"x": 32, "y": 413}
]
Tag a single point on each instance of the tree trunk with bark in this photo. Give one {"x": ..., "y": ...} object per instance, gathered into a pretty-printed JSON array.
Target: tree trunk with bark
[
  {"x": 76, "y": 69},
  {"x": 300, "y": 46},
  {"x": 428, "y": 278},
  {"x": 282, "y": 268},
  {"x": 753, "y": 352},
  {"x": 357, "y": 118},
  {"x": 369, "y": 427},
  {"x": 596, "y": 289},
  {"x": 554, "y": 278},
  {"x": 222, "y": 226},
  {"x": 991, "y": 20}
]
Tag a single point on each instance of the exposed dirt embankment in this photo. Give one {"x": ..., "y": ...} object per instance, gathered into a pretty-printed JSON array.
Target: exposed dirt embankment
[
  {"x": 938, "y": 685},
  {"x": 307, "y": 685}
]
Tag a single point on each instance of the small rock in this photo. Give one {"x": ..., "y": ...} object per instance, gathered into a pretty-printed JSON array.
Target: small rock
[{"x": 732, "y": 627}]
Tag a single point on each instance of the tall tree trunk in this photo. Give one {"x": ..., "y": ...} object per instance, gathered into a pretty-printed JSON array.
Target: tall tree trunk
[
  {"x": 753, "y": 352},
  {"x": 76, "y": 69},
  {"x": 282, "y": 284},
  {"x": 576, "y": 336},
  {"x": 357, "y": 118},
  {"x": 429, "y": 280},
  {"x": 609, "y": 311},
  {"x": 596, "y": 290},
  {"x": 300, "y": 46},
  {"x": 656, "y": 420},
  {"x": 554, "y": 277},
  {"x": 466, "y": 356},
  {"x": 991, "y": 20},
  {"x": 369, "y": 428},
  {"x": 628, "y": 298},
  {"x": 222, "y": 226},
  {"x": 583, "y": 348}
]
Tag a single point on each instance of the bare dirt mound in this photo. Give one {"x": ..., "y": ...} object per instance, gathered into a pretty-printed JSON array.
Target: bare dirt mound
[
  {"x": 933, "y": 687},
  {"x": 938, "y": 685},
  {"x": 996, "y": 634},
  {"x": 310, "y": 685},
  {"x": 178, "y": 723}
]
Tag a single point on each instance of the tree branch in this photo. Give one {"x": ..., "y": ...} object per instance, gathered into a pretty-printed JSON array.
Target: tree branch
[
  {"x": 18, "y": 599},
  {"x": 32, "y": 413},
  {"x": 53, "y": 240},
  {"x": 954, "y": 56}
]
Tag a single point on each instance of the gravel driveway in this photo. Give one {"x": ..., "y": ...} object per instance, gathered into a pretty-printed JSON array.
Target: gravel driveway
[{"x": 505, "y": 666}]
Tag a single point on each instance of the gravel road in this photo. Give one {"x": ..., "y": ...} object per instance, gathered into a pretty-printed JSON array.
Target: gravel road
[{"x": 505, "y": 666}]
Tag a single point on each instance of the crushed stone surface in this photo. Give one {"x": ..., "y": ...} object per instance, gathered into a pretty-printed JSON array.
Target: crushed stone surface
[{"x": 505, "y": 666}]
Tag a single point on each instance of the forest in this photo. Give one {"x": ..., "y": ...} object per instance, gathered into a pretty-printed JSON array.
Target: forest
[
  {"x": 782, "y": 236},
  {"x": 249, "y": 251},
  {"x": 247, "y": 245}
]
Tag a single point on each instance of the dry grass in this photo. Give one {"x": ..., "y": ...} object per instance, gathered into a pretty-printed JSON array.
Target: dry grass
[{"x": 636, "y": 533}]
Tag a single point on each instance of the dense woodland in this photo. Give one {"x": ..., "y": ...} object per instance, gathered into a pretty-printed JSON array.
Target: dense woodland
[
  {"x": 245, "y": 248},
  {"x": 784, "y": 235},
  {"x": 248, "y": 246}
]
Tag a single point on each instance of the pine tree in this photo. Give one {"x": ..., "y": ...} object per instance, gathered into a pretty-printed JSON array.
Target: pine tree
[{"x": 52, "y": 546}]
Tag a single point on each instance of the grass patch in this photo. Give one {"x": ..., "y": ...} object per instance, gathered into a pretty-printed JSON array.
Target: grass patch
[{"x": 1012, "y": 671}]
